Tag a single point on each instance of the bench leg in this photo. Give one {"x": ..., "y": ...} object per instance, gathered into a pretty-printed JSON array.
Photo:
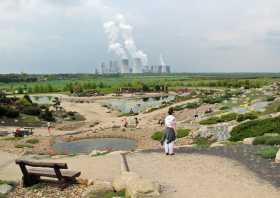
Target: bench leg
[{"x": 30, "y": 180}]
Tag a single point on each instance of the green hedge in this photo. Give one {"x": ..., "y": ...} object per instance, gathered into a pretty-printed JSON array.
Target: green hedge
[
  {"x": 255, "y": 128},
  {"x": 247, "y": 116},
  {"x": 215, "y": 120},
  {"x": 267, "y": 140}
]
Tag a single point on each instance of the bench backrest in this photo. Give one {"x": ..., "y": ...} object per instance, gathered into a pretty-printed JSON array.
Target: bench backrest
[{"x": 42, "y": 164}]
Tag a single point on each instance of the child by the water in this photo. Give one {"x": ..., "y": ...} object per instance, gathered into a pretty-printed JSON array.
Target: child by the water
[{"x": 169, "y": 134}]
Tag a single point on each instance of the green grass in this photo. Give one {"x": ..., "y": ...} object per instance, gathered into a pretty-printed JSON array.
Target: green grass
[
  {"x": 182, "y": 133},
  {"x": 268, "y": 153},
  {"x": 24, "y": 146},
  {"x": 2, "y": 196},
  {"x": 202, "y": 142},
  {"x": 11, "y": 138},
  {"x": 32, "y": 141},
  {"x": 107, "y": 194},
  {"x": 30, "y": 119},
  {"x": 157, "y": 135}
]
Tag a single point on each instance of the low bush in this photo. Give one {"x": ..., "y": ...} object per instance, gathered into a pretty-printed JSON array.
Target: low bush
[
  {"x": 211, "y": 120},
  {"x": 190, "y": 105},
  {"x": 47, "y": 116},
  {"x": 182, "y": 133},
  {"x": 268, "y": 153},
  {"x": 270, "y": 98},
  {"x": 228, "y": 117},
  {"x": 12, "y": 113},
  {"x": 107, "y": 194},
  {"x": 32, "y": 141},
  {"x": 157, "y": 135},
  {"x": 202, "y": 142},
  {"x": 247, "y": 116},
  {"x": 267, "y": 140},
  {"x": 255, "y": 128},
  {"x": 224, "y": 108},
  {"x": 8, "y": 112},
  {"x": 31, "y": 110},
  {"x": 24, "y": 146}
]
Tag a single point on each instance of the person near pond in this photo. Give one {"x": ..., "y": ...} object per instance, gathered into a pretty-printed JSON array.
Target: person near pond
[
  {"x": 169, "y": 136},
  {"x": 136, "y": 123}
]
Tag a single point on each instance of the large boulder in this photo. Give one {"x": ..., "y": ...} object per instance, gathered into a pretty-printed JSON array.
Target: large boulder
[
  {"x": 143, "y": 188},
  {"x": 120, "y": 183},
  {"x": 277, "y": 158},
  {"x": 136, "y": 186},
  {"x": 219, "y": 132},
  {"x": 249, "y": 141}
]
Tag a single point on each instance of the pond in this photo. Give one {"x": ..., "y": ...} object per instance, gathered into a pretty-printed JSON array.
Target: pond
[
  {"x": 137, "y": 105},
  {"x": 85, "y": 146}
]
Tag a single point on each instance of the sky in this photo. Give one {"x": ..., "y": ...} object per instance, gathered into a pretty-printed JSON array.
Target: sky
[{"x": 67, "y": 36}]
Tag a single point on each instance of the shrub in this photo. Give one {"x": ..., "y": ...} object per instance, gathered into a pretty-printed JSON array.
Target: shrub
[
  {"x": 255, "y": 128},
  {"x": 182, "y": 133},
  {"x": 268, "y": 153},
  {"x": 228, "y": 117},
  {"x": 3, "y": 111},
  {"x": 278, "y": 108},
  {"x": 247, "y": 116},
  {"x": 12, "y": 113},
  {"x": 31, "y": 110},
  {"x": 32, "y": 141},
  {"x": 270, "y": 98},
  {"x": 47, "y": 116},
  {"x": 190, "y": 105},
  {"x": 24, "y": 146},
  {"x": 202, "y": 142},
  {"x": 157, "y": 135},
  {"x": 211, "y": 120},
  {"x": 224, "y": 108}
]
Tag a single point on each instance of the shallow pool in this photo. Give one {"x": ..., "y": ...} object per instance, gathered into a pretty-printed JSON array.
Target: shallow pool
[{"x": 87, "y": 145}]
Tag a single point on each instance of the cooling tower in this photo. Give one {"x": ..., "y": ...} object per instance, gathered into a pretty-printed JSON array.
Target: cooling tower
[
  {"x": 125, "y": 66},
  {"x": 137, "y": 67}
]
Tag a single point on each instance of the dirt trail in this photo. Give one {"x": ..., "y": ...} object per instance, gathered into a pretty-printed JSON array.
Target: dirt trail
[{"x": 202, "y": 176}]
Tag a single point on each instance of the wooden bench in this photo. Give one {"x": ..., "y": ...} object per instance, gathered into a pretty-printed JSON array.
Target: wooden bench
[{"x": 32, "y": 176}]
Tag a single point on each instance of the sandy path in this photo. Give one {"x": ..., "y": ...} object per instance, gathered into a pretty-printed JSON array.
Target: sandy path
[
  {"x": 97, "y": 168},
  {"x": 201, "y": 176}
]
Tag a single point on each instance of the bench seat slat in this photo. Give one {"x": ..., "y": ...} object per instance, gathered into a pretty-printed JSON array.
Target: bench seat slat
[
  {"x": 51, "y": 173},
  {"x": 42, "y": 164}
]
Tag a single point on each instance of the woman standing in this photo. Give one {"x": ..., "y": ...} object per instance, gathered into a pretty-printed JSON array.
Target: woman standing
[{"x": 169, "y": 135}]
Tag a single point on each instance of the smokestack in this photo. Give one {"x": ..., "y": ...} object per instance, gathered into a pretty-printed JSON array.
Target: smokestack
[{"x": 125, "y": 66}]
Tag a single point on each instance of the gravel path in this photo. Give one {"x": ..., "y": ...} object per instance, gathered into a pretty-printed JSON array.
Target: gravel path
[{"x": 203, "y": 173}]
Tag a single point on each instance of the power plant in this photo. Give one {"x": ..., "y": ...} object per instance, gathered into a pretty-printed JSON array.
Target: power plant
[{"x": 127, "y": 66}]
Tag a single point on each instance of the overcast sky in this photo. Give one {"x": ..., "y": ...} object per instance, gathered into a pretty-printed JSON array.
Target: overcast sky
[{"x": 65, "y": 36}]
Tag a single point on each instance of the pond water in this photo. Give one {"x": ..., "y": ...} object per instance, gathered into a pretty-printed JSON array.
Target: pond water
[
  {"x": 42, "y": 99},
  {"x": 137, "y": 105},
  {"x": 87, "y": 145},
  {"x": 257, "y": 106}
]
